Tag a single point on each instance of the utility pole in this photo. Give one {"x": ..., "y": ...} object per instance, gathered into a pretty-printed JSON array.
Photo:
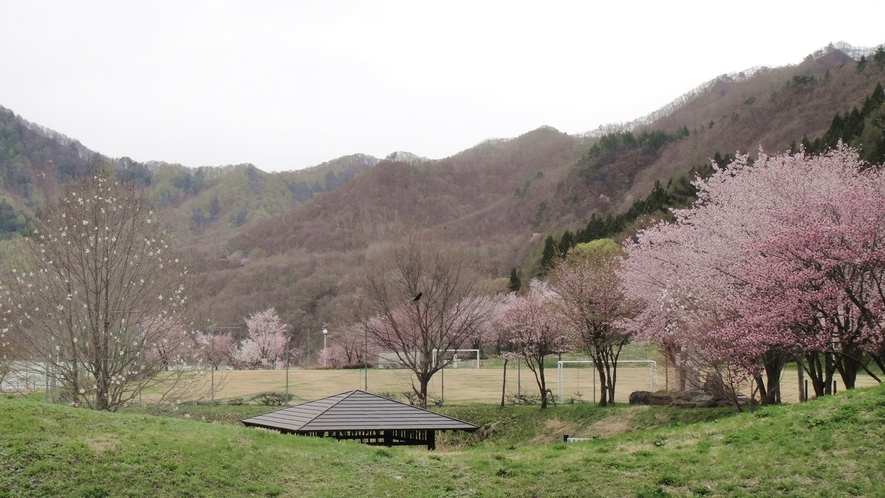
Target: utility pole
[
  {"x": 287, "y": 358},
  {"x": 287, "y": 373},
  {"x": 366, "y": 361}
]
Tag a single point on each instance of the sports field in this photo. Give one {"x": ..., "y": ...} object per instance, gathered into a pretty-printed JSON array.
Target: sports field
[{"x": 454, "y": 386}]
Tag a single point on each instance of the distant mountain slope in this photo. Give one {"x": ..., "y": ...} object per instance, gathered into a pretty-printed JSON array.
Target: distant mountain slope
[
  {"x": 773, "y": 108},
  {"x": 202, "y": 203},
  {"x": 292, "y": 240},
  {"x": 209, "y": 205},
  {"x": 449, "y": 194}
]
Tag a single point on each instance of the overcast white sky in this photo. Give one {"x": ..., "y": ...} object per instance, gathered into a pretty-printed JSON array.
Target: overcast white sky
[{"x": 286, "y": 85}]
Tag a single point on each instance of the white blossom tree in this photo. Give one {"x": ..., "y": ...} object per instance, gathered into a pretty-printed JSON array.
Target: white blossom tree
[
  {"x": 266, "y": 343},
  {"x": 92, "y": 290}
]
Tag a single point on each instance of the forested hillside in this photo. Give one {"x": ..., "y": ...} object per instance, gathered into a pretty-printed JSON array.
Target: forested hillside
[
  {"x": 292, "y": 240},
  {"x": 204, "y": 205}
]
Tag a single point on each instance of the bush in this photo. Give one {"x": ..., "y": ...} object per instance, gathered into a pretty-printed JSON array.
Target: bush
[
  {"x": 391, "y": 395},
  {"x": 271, "y": 399},
  {"x": 523, "y": 399},
  {"x": 578, "y": 397}
]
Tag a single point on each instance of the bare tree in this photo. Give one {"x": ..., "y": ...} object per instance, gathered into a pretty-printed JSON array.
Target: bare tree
[
  {"x": 95, "y": 291},
  {"x": 421, "y": 299},
  {"x": 351, "y": 345}
]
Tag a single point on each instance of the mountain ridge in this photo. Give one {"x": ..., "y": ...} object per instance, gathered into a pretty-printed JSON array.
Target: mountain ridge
[{"x": 292, "y": 239}]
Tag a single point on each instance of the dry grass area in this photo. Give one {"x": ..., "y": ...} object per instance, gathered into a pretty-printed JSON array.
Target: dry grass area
[
  {"x": 452, "y": 385},
  {"x": 455, "y": 386}
]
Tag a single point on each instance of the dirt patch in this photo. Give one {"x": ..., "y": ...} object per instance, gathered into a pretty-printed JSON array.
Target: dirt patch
[
  {"x": 554, "y": 429},
  {"x": 554, "y": 425},
  {"x": 608, "y": 427},
  {"x": 100, "y": 444}
]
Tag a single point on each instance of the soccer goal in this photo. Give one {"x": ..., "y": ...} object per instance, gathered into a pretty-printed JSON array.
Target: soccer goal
[
  {"x": 458, "y": 358},
  {"x": 576, "y": 376}
]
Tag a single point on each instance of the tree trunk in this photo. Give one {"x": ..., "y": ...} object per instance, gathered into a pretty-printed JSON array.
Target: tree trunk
[
  {"x": 820, "y": 372},
  {"x": 760, "y": 386},
  {"x": 800, "y": 374},
  {"x": 849, "y": 365},
  {"x": 423, "y": 381},
  {"x": 504, "y": 383},
  {"x": 603, "y": 390},
  {"x": 542, "y": 384},
  {"x": 830, "y": 370},
  {"x": 611, "y": 378},
  {"x": 774, "y": 365}
]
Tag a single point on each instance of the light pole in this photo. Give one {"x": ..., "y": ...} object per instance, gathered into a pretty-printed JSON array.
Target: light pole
[
  {"x": 324, "y": 346},
  {"x": 366, "y": 361},
  {"x": 287, "y": 371}
]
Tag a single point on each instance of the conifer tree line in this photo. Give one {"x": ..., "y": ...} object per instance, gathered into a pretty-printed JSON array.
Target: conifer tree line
[{"x": 862, "y": 128}]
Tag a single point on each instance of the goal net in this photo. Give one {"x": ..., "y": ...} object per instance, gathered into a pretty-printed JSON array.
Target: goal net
[{"x": 578, "y": 379}]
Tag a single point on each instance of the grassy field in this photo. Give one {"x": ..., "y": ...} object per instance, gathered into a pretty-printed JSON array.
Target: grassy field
[
  {"x": 468, "y": 385},
  {"x": 459, "y": 386},
  {"x": 828, "y": 447},
  {"x": 454, "y": 386}
]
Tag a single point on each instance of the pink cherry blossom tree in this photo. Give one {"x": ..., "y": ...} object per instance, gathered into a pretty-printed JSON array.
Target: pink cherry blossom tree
[
  {"x": 497, "y": 336},
  {"x": 591, "y": 302},
  {"x": 784, "y": 251},
  {"x": 333, "y": 356},
  {"x": 421, "y": 298},
  {"x": 215, "y": 349},
  {"x": 822, "y": 264},
  {"x": 530, "y": 326},
  {"x": 355, "y": 348},
  {"x": 169, "y": 345}
]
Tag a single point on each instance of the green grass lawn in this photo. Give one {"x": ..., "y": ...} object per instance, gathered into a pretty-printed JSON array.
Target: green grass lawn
[{"x": 829, "y": 447}]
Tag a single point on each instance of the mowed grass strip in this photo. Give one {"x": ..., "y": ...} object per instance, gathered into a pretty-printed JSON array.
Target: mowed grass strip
[{"x": 828, "y": 447}]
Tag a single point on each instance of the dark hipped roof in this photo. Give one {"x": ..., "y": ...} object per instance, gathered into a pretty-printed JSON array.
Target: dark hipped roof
[{"x": 353, "y": 411}]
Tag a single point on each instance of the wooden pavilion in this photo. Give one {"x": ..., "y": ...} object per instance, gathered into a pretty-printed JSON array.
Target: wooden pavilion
[{"x": 366, "y": 417}]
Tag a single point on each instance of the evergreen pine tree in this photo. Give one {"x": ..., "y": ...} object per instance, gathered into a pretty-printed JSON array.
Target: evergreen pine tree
[
  {"x": 515, "y": 282},
  {"x": 862, "y": 63},
  {"x": 879, "y": 56},
  {"x": 548, "y": 255},
  {"x": 566, "y": 242}
]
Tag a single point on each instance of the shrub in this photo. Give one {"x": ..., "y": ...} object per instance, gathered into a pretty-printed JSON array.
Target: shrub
[
  {"x": 523, "y": 399},
  {"x": 271, "y": 399}
]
